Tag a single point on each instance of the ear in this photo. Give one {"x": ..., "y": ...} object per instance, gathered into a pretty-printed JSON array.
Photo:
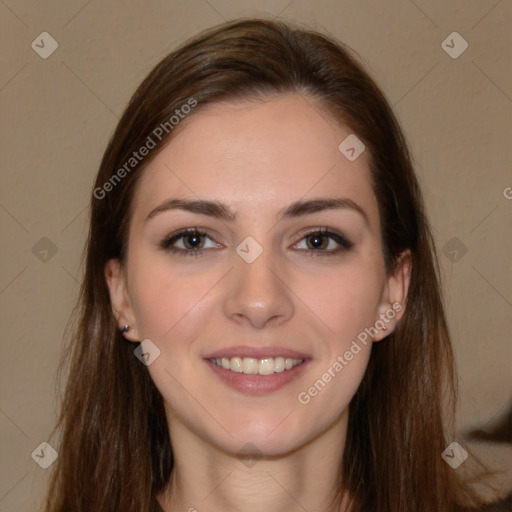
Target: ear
[
  {"x": 394, "y": 297},
  {"x": 119, "y": 298}
]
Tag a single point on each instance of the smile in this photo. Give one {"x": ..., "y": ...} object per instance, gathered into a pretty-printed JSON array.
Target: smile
[{"x": 252, "y": 366}]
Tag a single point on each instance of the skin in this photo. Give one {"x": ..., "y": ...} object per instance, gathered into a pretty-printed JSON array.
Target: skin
[{"x": 257, "y": 157}]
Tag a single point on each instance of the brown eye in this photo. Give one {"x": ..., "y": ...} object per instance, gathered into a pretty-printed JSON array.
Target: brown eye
[
  {"x": 193, "y": 242},
  {"x": 319, "y": 240}
]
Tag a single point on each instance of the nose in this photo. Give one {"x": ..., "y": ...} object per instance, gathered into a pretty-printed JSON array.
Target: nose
[{"x": 258, "y": 292}]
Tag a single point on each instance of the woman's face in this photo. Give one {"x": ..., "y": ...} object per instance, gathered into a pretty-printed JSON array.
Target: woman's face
[{"x": 266, "y": 285}]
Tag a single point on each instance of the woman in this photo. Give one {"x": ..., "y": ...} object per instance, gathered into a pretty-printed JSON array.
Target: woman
[{"x": 300, "y": 359}]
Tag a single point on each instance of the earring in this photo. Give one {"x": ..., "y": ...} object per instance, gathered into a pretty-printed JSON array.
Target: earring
[
  {"x": 384, "y": 327},
  {"x": 125, "y": 329}
]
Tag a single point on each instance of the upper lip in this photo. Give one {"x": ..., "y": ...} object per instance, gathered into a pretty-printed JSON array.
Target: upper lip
[{"x": 256, "y": 352}]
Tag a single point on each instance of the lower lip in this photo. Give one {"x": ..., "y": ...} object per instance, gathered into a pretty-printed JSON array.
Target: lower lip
[{"x": 256, "y": 384}]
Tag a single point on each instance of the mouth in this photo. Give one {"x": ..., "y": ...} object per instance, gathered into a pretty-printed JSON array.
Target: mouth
[
  {"x": 252, "y": 366},
  {"x": 256, "y": 370}
]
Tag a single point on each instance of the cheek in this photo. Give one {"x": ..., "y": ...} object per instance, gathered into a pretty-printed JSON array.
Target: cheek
[
  {"x": 167, "y": 302},
  {"x": 173, "y": 310},
  {"x": 332, "y": 386},
  {"x": 345, "y": 299},
  {"x": 346, "y": 302}
]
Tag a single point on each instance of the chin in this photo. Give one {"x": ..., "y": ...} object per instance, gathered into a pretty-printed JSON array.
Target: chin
[{"x": 265, "y": 436}]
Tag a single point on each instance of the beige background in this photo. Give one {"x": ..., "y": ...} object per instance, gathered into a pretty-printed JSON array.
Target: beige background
[{"x": 59, "y": 112}]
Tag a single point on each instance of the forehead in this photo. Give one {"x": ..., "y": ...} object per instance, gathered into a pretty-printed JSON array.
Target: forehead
[{"x": 257, "y": 154}]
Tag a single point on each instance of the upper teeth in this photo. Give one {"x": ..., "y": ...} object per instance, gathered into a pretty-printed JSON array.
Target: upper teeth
[{"x": 265, "y": 366}]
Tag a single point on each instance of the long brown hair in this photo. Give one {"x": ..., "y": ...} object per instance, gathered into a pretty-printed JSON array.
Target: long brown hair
[{"x": 115, "y": 452}]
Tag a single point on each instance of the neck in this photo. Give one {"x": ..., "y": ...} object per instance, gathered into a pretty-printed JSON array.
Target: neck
[{"x": 206, "y": 478}]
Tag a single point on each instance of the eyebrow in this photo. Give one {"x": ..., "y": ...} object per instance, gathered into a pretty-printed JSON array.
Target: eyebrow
[{"x": 222, "y": 211}]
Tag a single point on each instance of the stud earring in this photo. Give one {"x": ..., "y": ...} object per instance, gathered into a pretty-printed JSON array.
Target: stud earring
[{"x": 125, "y": 329}]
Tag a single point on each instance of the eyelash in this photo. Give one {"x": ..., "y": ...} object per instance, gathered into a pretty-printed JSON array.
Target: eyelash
[{"x": 345, "y": 244}]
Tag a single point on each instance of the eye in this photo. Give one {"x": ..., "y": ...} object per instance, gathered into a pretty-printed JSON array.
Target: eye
[
  {"x": 317, "y": 241},
  {"x": 193, "y": 243}
]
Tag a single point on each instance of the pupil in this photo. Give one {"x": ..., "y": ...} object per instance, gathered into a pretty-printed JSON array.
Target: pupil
[
  {"x": 196, "y": 239},
  {"x": 316, "y": 240}
]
